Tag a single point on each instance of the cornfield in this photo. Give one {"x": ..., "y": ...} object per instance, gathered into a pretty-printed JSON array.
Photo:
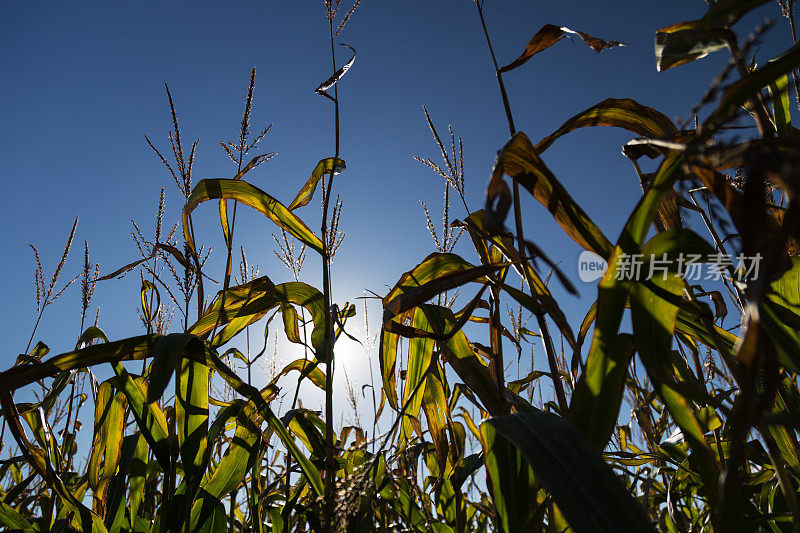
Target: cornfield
[{"x": 648, "y": 414}]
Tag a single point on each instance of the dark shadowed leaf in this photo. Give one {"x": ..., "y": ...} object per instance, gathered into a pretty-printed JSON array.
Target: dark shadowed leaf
[
  {"x": 686, "y": 41},
  {"x": 549, "y": 35},
  {"x": 520, "y": 161},
  {"x": 737, "y": 94},
  {"x": 566, "y": 465},
  {"x": 330, "y": 82},
  {"x": 619, "y": 113}
]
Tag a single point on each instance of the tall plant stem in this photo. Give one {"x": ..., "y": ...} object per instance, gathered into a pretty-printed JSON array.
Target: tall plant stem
[
  {"x": 547, "y": 339},
  {"x": 330, "y": 469},
  {"x": 540, "y": 318},
  {"x": 503, "y": 94}
]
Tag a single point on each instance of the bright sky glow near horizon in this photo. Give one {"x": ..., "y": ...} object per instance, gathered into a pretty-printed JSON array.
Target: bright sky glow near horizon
[{"x": 83, "y": 82}]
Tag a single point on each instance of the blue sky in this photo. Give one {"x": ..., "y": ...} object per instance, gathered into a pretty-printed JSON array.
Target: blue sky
[{"x": 83, "y": 82}]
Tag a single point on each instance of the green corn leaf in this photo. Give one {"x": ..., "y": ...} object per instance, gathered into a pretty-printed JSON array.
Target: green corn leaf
[
  {"x": 191, "y": 410},
  {"x": 387, "y": 357},
  {"x": 458, "y": 352},
  {"x": 125, "y": 350},
  {"x": 420, "y": 353},
  {"x": 398, "y": 493},
  {"x": 137, "y": 477},
  {"x": 654, "y": 318},
  {"x": 596, "y": 400},
  {"x": 109, "y": 424},
  {"x": 308, "y": 428},
  {"x": 564, "y": 463},
  {"x": 243, "y": 451},
  {"x": 262, "y": 408},
  {"x": 248, "y": 303},
  {"x": 149, "y": 417},
  {"x": 779, "y": 95},
  {"x": 116, "y": 519},
  {"x": 13, "y": 520},
  {"x": 780, "y": 315}
]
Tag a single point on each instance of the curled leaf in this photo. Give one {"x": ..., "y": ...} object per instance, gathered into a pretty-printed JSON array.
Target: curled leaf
[
  {"x": 549, "y": 35},
  {"x": 325, "y": 166},
  {"x": 330, "y": 82}
]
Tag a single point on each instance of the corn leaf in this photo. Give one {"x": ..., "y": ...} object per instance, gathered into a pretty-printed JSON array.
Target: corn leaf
[
  {"x": 149, "y": 417},
  {"x": 737, "y": 94},
  {"x": 109, "y": 424},
  {"x": 520, "y": 161},
  {"x": 252, "y": 196},
  {"x": 325, "y": 166},
  {"x": 248, "y": 303},
  {"x": 549, "y": 35},
  {"x": 686, "y": 41},
  {"x": 125, "y": 350},
  {"x": 566, "y": 465},
  {"x": 620, "y": 113}
]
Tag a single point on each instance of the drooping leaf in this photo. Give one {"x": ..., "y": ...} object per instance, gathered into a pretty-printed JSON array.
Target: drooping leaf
[
  {"x": 248, "y": 303},
  {"x": 252, "y": 196},
  {"x": 678, "y": 47},
  {"x": 619, "y": 113},
  {"x": 476, "y": 225},
  {"x": 148, "y": 313},
  {"x": 307, "y": 369},
  {"x": 519, "y": 160},
  {"x": 549, "y": 35},
  {"x": 325, "y": 166},
  {"x": 437, "y": 273},
  {"x": 124, "y": 350}
]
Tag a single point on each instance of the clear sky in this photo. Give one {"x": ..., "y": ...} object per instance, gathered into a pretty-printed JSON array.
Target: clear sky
[{"x": 83, "y": 81}]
